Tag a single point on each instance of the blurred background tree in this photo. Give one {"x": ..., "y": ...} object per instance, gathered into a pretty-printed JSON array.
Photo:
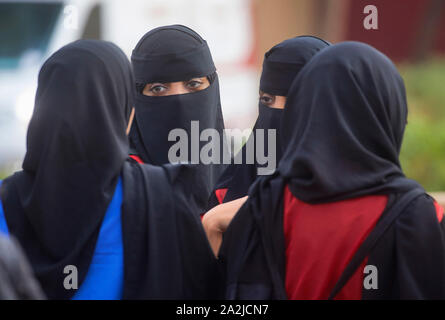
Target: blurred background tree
[{"x": 423, "y": 150}]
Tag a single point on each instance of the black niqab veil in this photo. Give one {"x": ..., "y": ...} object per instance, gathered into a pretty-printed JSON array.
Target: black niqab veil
[
  {"x": 170, "y": 54},
  {"x": 281, "y": 65},
  {"x": 343, "y": 126},
  {"x": 56, "y": 204}
]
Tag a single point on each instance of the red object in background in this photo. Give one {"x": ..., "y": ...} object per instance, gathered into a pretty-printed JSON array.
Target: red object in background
[
  {"x": 440, "y": 40},
  {"x": 400, "y": 24}
]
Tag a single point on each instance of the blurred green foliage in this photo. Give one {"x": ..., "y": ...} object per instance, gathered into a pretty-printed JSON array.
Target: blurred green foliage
[
  {"x": 423, "y": 150},
  {"x": 4, "y": 173}
]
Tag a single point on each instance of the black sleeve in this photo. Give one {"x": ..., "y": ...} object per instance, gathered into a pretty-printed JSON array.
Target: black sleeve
[
  {"x": 188, "y": 186},
  {"x": 410, "y": 258},
  {"x": 166, "y": 252},
  {"x": 202, "y": 270},
  {"x": 252, "y": 252},
  {"x": 242, "y": 256}
]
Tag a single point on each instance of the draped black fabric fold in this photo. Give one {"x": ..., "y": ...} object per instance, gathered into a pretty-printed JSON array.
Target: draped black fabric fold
[
  {"x": 281, "y": 65},
  {"x": 56, "y": 204},
  {"x": 252, "y": 253},
  {"x": 343, "y": 127},
  {"x": 170, "y": 54},
  {"x": 168, "y": 255},
  {"x": 173, "y": 67}
]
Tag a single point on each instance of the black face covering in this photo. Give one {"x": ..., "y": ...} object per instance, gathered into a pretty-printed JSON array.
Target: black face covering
[
  {"x": 170, "y": 54},
  {"x": 343, "y": 126},
  {"x": 76, "y": 147},
  {"x": 281, "y": 65}
]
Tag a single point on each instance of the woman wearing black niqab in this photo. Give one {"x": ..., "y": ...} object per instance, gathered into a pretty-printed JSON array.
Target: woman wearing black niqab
[
  {"x": 78, "y": 205},
  {"x": 171, "y": 54},
  {"x": 339, "y": 219},
  {"x": 281, "y": 65}
]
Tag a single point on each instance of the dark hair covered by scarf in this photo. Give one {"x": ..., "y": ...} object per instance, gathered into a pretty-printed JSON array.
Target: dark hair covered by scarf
[
  {"x": 76, "y": 147},
  {"x": 284, "y": 61},
  {"x": 343, "y": 126},
  {"x": 171, "y": 53}
]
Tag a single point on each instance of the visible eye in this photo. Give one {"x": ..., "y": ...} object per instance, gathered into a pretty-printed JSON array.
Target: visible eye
[
  {"x": 267, "y": 99},
  {"x": 194, "y": 84},
  {"x": 157, "y": 88}
]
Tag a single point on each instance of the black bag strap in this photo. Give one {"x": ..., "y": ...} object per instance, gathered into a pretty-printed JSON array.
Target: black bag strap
[{"x": 382, "y": 226}]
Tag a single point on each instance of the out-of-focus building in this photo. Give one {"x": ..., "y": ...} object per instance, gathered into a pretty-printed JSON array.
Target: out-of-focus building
[
  {"x": 31, "y": 31},
  {"x": 239, "y": 32},
  {"x": 407, "y": 29}
]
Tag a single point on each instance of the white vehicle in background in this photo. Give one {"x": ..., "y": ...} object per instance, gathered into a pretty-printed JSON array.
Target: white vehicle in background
[{"x": 30, "y": 31}]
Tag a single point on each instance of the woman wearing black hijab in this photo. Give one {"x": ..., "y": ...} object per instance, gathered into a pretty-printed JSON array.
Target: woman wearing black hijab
[
  {"x": 339, "y": 219},
  {"x": 93, "y": 225},
  {"x": 165, "y": 58},
  {"x": 281, "y": 65}
]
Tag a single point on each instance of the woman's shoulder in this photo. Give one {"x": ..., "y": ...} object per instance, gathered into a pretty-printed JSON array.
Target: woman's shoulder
[{"x": 424, "y": 212}]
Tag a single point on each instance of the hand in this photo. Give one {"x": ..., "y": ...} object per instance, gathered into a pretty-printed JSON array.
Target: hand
[{"x": 217, "y": 220}]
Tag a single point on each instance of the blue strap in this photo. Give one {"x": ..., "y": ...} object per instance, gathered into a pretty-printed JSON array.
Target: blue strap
[
  {"x": 3, "y": 226},
  {"x": 105, "y": 277}
]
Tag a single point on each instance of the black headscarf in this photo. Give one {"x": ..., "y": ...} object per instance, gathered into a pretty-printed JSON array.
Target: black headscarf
[
  {"x": 77, "y": 148},
  {"x": 281, "y": 65},
  {"x": 170, "y": 54},
  {"x": 56, "y": 204},
  {"x": 343, "y": 126}
]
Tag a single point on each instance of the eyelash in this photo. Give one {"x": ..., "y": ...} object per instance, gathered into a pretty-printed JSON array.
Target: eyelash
[
  {"x": 270, "y": 100},
  {"x": 192, "y": 84},
  {"x": 195, "y": 83},
  {"x": 152, "y": 89}
]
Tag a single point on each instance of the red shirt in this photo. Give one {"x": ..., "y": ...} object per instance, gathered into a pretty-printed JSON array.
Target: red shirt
[{"x": 321, "y": 239}]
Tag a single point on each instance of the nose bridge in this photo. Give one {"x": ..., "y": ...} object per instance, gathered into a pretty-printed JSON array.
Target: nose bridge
[{"x": 178, "y": 88}]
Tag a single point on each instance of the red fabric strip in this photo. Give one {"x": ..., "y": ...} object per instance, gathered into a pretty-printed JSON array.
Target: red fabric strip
[
  {"x": 136, "y": 158},
  {"x": 439, "y": 211},
  {"x": 321, "y": 239},
  {"x": 221, "y": 194}
]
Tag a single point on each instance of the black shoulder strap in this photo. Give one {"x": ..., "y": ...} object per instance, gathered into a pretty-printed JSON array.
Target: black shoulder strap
[{"x": 382, "y": 225}]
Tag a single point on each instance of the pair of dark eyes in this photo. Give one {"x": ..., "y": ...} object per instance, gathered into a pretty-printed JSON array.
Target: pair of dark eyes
[{"x": 157, "y": 88}]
